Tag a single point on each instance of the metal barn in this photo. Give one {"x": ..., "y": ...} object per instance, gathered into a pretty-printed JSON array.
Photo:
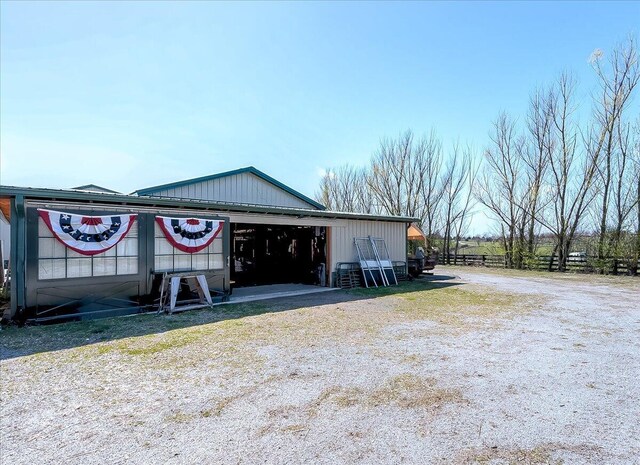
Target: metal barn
[{"x": 265, "y": 233}]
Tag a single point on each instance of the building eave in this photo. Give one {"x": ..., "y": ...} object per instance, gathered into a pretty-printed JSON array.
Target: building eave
[{"x": 46, "y": 194}]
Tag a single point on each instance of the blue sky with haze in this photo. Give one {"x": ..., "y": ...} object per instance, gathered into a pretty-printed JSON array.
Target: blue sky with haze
[{"x": 129, "y": 95}]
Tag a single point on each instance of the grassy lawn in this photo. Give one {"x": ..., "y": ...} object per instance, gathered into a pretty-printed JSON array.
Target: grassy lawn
[{"x": 150, "y": 333}]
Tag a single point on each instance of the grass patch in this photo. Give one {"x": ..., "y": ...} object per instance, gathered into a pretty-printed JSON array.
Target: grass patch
[
  {"x": 621, "y": 281},
  {"x": 456, "y": 307},
  {"x": 405, "y": 391},
  {"x": 231, "y": 338},
  {"x": 537, "y": 456},
  {"x": 542, "y": 454},
  {"x": 179, "y": 417},
  {"x": 124, "y": 330},
  {"x": 451, "y": 305},
  {"x": 227, "y": 333}
]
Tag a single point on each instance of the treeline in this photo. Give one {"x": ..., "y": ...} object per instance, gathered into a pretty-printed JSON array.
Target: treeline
[{"x": 567, "y": 167}]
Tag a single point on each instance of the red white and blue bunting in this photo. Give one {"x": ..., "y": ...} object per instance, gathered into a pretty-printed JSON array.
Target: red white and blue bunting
[
  {"x": 189, "y": 235},
  {"x": 87, "y": 235}
]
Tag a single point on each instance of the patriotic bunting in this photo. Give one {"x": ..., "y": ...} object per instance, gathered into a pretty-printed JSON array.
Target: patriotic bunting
[
  {"x": 87, "y": 235},
  {"x": 189, "y": 235}
]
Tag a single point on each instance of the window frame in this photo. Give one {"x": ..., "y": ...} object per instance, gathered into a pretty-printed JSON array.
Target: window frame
[
  {"x": 69, "y": 255},
  {"x": 209, "y": 251}
]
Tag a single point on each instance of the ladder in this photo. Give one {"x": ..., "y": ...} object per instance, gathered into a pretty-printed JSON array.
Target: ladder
[{"x": 374, "y": 256}]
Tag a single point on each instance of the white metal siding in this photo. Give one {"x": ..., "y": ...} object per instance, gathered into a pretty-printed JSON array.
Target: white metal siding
[
  {"x": 343, "y": 249},
  {"x": 239, "y": 188},
  {"x": 341, "y": 233},
  {"x": 5, "y": 238}
]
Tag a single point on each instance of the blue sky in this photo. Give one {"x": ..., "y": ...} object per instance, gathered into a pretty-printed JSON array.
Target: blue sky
[{"x": 129, "y": 95}]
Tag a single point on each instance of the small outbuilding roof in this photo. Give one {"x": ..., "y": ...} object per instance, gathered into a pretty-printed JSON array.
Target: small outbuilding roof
[
  {"x": 249, "y": 169},
  {"x": 415, "y": 233},
  {"x": 94, "y": 188}
]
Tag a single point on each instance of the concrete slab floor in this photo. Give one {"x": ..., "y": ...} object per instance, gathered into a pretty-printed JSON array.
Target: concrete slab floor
[{"x": 272, "y": 291}]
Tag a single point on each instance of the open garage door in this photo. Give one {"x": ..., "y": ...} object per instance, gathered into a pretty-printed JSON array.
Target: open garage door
[{"x": 275, "y": 254}]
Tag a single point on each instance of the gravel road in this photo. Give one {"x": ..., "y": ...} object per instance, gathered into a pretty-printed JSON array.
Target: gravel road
[{"x": 468, "y": 366}]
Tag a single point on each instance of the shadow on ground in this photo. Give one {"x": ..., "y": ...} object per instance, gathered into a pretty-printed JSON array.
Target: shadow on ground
[{"x": 19, "y": 342}]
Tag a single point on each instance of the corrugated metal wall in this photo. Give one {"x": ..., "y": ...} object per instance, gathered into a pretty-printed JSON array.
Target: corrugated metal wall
[
  {"x": 239, "y": 188},
  {"x": 5, "y": 237},
  {"x": 342, "y": 231},
  {"x": 343, "y": 249}
]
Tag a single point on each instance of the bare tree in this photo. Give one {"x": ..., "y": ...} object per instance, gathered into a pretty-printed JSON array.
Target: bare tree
[
  {"x": 403, "y": 178},
  {"x": 397, "y": 174},
  {"x": 454, "y": 180},
  {"x": 465, "y": 213},
  {"x": 623, "y": 190},
  {"x": 616, "y": 83},
  {"x": 539, "y": 125},
  {"x": 573, "y": 170},
  {"x": 499, "y": 188},
  {"x": 432, "y": 187},
  {"x": 635, "y": 170},
  {"x": 345, "y": 189}
]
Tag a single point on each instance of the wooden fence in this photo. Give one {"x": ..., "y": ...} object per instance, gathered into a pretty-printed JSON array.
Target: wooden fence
[{"x": 541, "y": 263}]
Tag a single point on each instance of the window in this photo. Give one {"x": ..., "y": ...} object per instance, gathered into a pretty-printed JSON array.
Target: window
[
  {"x": 55, "y": 261},
  {"x": 168, "y": 258}
]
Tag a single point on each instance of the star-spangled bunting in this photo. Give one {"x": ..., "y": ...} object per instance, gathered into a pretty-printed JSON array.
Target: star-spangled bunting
[
  {"x": 189, "y": 235},
  {"x": 87, "y": 235}
]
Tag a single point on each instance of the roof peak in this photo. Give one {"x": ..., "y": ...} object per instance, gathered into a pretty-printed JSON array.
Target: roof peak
[{"x": 248, "y": 169}]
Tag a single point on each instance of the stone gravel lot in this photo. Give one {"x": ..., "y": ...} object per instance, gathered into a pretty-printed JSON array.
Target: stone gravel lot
[{"x": 468, "y": 366}]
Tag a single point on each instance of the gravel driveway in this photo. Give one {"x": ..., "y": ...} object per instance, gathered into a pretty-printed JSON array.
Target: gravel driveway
[{"x": 468, "y": 366}]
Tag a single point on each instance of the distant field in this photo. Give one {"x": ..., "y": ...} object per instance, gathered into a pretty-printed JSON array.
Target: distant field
[
  {"x": 480, "y": 248},
  {"x": 495, "y": 248}
]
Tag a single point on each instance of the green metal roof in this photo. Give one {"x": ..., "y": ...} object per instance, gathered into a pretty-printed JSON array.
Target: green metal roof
[
  {"x": 248, "y": 169},
  {"x": 168, "y": 202}
]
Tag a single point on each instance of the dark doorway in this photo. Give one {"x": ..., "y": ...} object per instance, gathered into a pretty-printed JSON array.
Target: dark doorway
[{"x": 274, "y": 254}]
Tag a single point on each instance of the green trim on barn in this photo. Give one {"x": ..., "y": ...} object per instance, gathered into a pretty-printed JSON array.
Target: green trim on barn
[
  {"x": 248, "y": 169},
  {"x": 18, "y": 253},
  {"x": 148, "y": 200}
]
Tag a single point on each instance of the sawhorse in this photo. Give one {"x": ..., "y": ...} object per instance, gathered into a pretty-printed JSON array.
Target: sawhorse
[{"x": 171, "y": 286}]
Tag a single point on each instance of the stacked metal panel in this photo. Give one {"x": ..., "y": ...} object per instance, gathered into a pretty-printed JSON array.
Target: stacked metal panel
[{"x": 347, "y": 275}]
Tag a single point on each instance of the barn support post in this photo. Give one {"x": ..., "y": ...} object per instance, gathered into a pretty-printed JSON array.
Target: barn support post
[
  {"x": 406, "y": 249},
  {"x": 18, "y": 254},
  {"x": 329, "y": 258}
]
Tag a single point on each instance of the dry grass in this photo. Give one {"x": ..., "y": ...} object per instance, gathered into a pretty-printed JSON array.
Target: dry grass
[
  {"x": 231, "y": 339},
  {"x": 540, "y": 455},
  {"x": 150, "y": 335},
  {"x": 405, "y": 391},
  {"x": 333, "y": 376},
  {"x": 622, "y": 281},
  {"x": 171, "y": 346},
  {"x": 462, "y": 308},
  {"x": 536, "y": 456}
]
